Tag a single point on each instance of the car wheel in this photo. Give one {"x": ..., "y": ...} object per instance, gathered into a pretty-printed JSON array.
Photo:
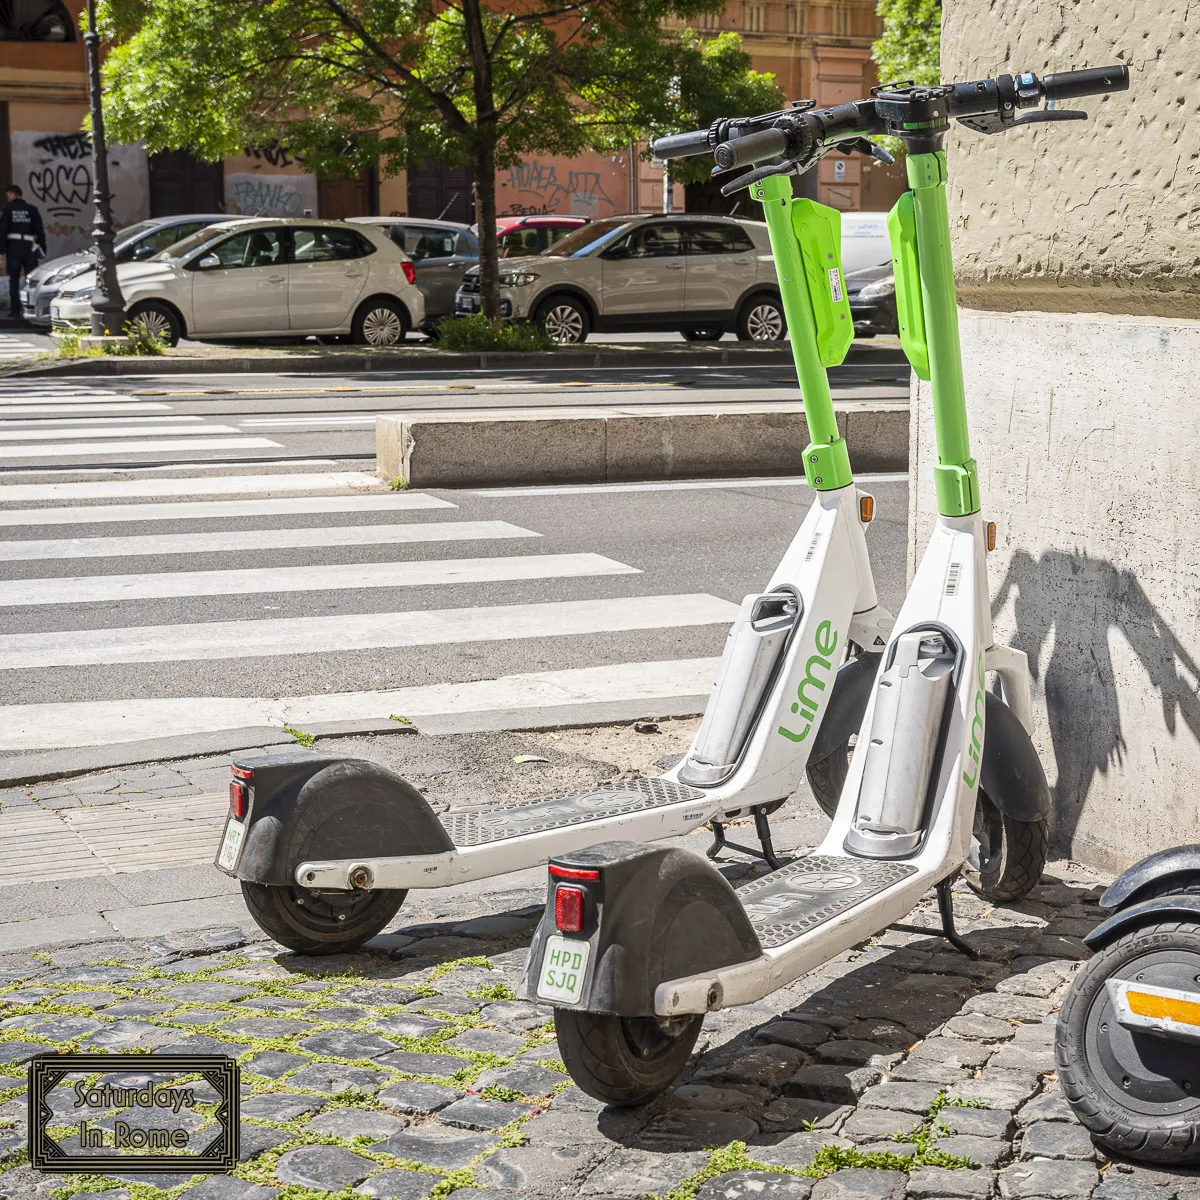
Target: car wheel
[
  {"x": 761, "y": 320},
  {"x": 380, "y": 322},
  {"x": 564, "y": 321},
  {"x": 703, "y": 335},
  {"x": 155, "y": 320}
]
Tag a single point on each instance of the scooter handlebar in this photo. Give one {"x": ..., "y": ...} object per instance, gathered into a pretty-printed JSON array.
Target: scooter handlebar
[
  {"x": 750, "y": 149},
  {"x": 1067, "y": 85},
  {"x": 681, "y": 145}
]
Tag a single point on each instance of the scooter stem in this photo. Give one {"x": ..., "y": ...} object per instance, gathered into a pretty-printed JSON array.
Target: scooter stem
[
  {"x": 826, "y": 462},
  {"x": 955, "y": 477}
]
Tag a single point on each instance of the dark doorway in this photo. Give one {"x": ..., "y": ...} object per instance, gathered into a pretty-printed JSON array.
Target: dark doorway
[
  {"x": 439, "y": 192},
  {"x": 706, "y": 198},
  {"x": 342, "y": 198},
  {"x": 181, "y": 183},
  {"x": 5, "y": 148}
]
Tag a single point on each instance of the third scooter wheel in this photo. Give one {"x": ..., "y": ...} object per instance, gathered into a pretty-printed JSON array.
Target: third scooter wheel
[
  {"x": 1007, "y": 856},
  {"x": 311, "y": 922},
  {"x": 624, "y": 1060},
  {"x": 1138, "y": 1095}
]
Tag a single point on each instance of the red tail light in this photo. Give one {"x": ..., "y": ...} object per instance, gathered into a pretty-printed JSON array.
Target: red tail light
[
  {"x": 557, "y": 872},
  {"x": 243, "y": 773},
  {"x": 239, "y": 799},
  {"x": 409, "y": 273},
  {"x": 568, "y": 908}
]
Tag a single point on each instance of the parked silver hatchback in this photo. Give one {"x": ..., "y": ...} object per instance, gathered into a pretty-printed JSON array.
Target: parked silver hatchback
[{"x": 699, "y": 275}]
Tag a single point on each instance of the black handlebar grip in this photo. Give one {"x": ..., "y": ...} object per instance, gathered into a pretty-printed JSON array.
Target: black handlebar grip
[
  {"x": 681, "y": 145},
  {"x": 1066, "y": 85},
  {"x": 753, "y": 148}
]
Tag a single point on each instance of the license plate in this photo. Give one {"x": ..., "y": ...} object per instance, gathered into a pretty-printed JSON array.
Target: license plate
[
  {"x": 468, "y": 303},
  {"x": 564, "y": 966},
  {"x": 231, "y": 845}
]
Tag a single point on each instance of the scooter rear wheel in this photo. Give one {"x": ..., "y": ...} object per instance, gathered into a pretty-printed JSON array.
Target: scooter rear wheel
[
  {"x": 312, "y": 922},
  {"x": 827, "y": 777},
  {"x": 1007, "y": 856},
  {"x": 1138, "y": 1095},
  {"x": 624, "y": 1060}
]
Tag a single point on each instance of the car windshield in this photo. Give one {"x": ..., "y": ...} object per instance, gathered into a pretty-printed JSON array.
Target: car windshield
[
  {"x": 133, "y": 231},
  {"x": 176, "y": 252},
  {"x": 585, "y": 239}
]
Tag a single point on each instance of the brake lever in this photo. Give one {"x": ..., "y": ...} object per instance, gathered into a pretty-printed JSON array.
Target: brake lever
[
  {"x": 867, "y": 148},
  {"x": 995, "y": 123},
  {"x": 764, "y": 172}
]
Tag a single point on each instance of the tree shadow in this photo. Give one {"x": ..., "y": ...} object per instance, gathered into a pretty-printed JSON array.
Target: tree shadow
[{"x": 1077, "y": 599}]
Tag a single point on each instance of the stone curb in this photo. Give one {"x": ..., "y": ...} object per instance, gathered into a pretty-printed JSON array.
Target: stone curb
[
  {"x": 342, "y": 362},
  {"x": 594, "y": 445}
]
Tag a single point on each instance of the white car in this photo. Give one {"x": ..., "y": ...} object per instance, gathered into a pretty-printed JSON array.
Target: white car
[{"x": 265, "y": 277}]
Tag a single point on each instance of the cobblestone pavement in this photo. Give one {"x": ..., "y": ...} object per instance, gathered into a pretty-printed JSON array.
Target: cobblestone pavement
[{"x": 901, "y": 1069}]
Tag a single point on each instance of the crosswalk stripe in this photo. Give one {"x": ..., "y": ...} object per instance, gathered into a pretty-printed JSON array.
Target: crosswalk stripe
[
  {"x": 252, "y": 581},
  {"x": 62, "y": 426},
  {"x": 45, "y": 410},
  {"x": 75, "y": 449},
  {"x": 80, "y": 399},
  {"x": 325, "y": 635},
  {"x": 215, "y": 485},
  {"x": 194, "y": 425},
  {"x": 207, "y": 510},
  {"x": 232, "y": 541},
  {"x": 92, "y": 723}
]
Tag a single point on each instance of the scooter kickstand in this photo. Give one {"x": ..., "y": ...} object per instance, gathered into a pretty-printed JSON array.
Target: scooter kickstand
[
  {"x": 761, "y": 826},
  {"x": 946, "y": 911}
]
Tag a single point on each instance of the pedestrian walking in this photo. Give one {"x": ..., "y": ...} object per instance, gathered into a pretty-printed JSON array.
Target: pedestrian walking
[{"x": 23, "y": 240}]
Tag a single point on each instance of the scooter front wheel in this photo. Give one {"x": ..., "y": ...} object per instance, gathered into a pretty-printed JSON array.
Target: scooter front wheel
[
  {"x": 313, "y": 922},
  {"x": 624, "y": 1060},
  {"x": 1138, "y": 1094},
  {"x": 1007, "y": 856}
]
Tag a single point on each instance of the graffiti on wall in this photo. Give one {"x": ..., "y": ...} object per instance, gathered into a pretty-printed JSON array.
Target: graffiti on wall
[
  {"x": 274, "y": 154},
  {"x": 541, "y": 187},
  {"x": 271, "y": 195},
  {"x": 55, "y": 169}
]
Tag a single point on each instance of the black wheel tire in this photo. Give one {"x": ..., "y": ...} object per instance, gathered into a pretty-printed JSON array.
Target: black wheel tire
[
  {"x": 761, "y": 320},
  {"x": 307, "y": 921},
  {"x": 379, "y": 321},
  {"x": 1007, "y": 856},
  {"x": 827, "y": 777},
  {"x": 1095, "y": 1055},
  {"x": 703, "y": 335},
  {"x": 156, "y": 318},
  {"x": 623, "y": 1060},
  {"x": 564, "y": 320}
]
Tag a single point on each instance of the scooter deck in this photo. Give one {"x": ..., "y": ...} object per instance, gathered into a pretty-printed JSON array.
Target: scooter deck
[
  {"x": 561, "y": 812},
  {"x": 806, "y": 893}
]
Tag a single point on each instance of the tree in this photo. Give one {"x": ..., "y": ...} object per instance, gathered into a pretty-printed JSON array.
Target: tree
[
  {"x": 910, "y": 47},
  {"x": 346, "y": 84}
]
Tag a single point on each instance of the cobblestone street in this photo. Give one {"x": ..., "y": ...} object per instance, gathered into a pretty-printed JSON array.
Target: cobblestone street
[{"x": 901, "y": 1069}]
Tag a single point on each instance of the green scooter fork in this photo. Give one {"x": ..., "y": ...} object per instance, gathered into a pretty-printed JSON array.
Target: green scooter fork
[
  {"x": 927, "y": 306},
  {"x": 806, "y": 244}
]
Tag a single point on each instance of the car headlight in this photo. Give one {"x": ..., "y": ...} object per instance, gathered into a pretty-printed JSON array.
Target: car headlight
[
  {"x": 81, "y": 294},
  {"x": 517, "y": 278},
  {"x": 879, "y": 290},
  {"x": 70, "y": 271}
]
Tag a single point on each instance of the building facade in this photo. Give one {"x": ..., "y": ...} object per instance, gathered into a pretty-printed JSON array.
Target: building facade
[{"x": 819, "y": 50}]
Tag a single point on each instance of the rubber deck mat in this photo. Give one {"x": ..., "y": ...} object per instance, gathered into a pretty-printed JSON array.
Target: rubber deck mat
[
  {"x": 812, "y": 890},
  {"x": 561, "y": 812}
]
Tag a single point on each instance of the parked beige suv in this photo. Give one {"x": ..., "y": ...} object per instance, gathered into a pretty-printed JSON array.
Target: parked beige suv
[{"x": 697, "y": 274}]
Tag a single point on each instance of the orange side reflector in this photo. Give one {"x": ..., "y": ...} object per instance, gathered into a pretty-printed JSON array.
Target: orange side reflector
[
  {"x": 1142, "y": 1004},
  {"x": 991, "y": 535},
  {"x": 866, "y": 509}
]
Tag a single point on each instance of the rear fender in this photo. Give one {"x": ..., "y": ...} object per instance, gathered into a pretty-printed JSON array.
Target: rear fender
[
  {"x": 1180, "y": 865},
  {"x": 847, "y": 705},
  {"x": 1148, "y": 912},
  {"x": 1011, "y": 773},
  {"x": 306, "y": 807},
  {"x": 651, "y": 914}
]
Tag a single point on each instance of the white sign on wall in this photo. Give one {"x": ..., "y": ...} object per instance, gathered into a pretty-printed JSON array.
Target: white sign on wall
[
  {"x": 258, "y": 195},
  {"x": 55, "y": 171},
  {"x": 839, "y": 172}
]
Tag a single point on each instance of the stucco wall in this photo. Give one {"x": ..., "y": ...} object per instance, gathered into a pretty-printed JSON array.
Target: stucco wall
[{"x": 1073, "y": 217}]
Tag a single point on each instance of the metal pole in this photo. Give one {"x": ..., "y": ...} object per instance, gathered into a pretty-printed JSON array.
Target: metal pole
[
  {"x": 633, "y": 183},
  {"x": 668, "y": 190},
  {"x": 108, "y": 305}
]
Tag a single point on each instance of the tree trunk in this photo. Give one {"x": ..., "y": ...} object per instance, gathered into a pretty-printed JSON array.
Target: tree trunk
[{"x": 484, "y": 165}]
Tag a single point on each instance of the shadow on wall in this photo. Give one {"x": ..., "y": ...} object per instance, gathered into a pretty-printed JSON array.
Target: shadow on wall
[{"x": 1080, "y": 599}]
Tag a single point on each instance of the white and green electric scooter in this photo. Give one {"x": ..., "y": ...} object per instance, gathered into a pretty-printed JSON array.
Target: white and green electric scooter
[
  {"x": 638, "y": 942},
  {"x": 327, "y": 848}
]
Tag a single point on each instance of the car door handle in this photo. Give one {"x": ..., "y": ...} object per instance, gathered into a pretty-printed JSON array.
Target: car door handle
[
  {"x": 276, "y": 278},
  {"x": 354, "y": 274},
  {"x": 675, "y": 266}
]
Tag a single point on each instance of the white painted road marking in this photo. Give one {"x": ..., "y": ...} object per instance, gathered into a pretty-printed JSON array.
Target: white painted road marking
[
  {"x": 95, "y": 723},
  {"x": 326, "y": 635},
  {"x": 215, "y": 510},
  {"x": 87, "y": 589},
  {"x": 231, "y": 541},
  {"x": 73, "y": 449},
  {"x": 28, "y": 431},
  {"x": 216, "y": 485}
]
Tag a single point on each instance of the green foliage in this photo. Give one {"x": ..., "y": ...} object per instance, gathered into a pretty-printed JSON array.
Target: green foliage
[
  {"x": 305, "y": 739},
  {"x": 143, "y": 340},
  {"x": 495, "y": 991},
  {"x": 396, "y": 716},
  {"x": 477, "y": 333},
  {"x": 910, "y": 47}
]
